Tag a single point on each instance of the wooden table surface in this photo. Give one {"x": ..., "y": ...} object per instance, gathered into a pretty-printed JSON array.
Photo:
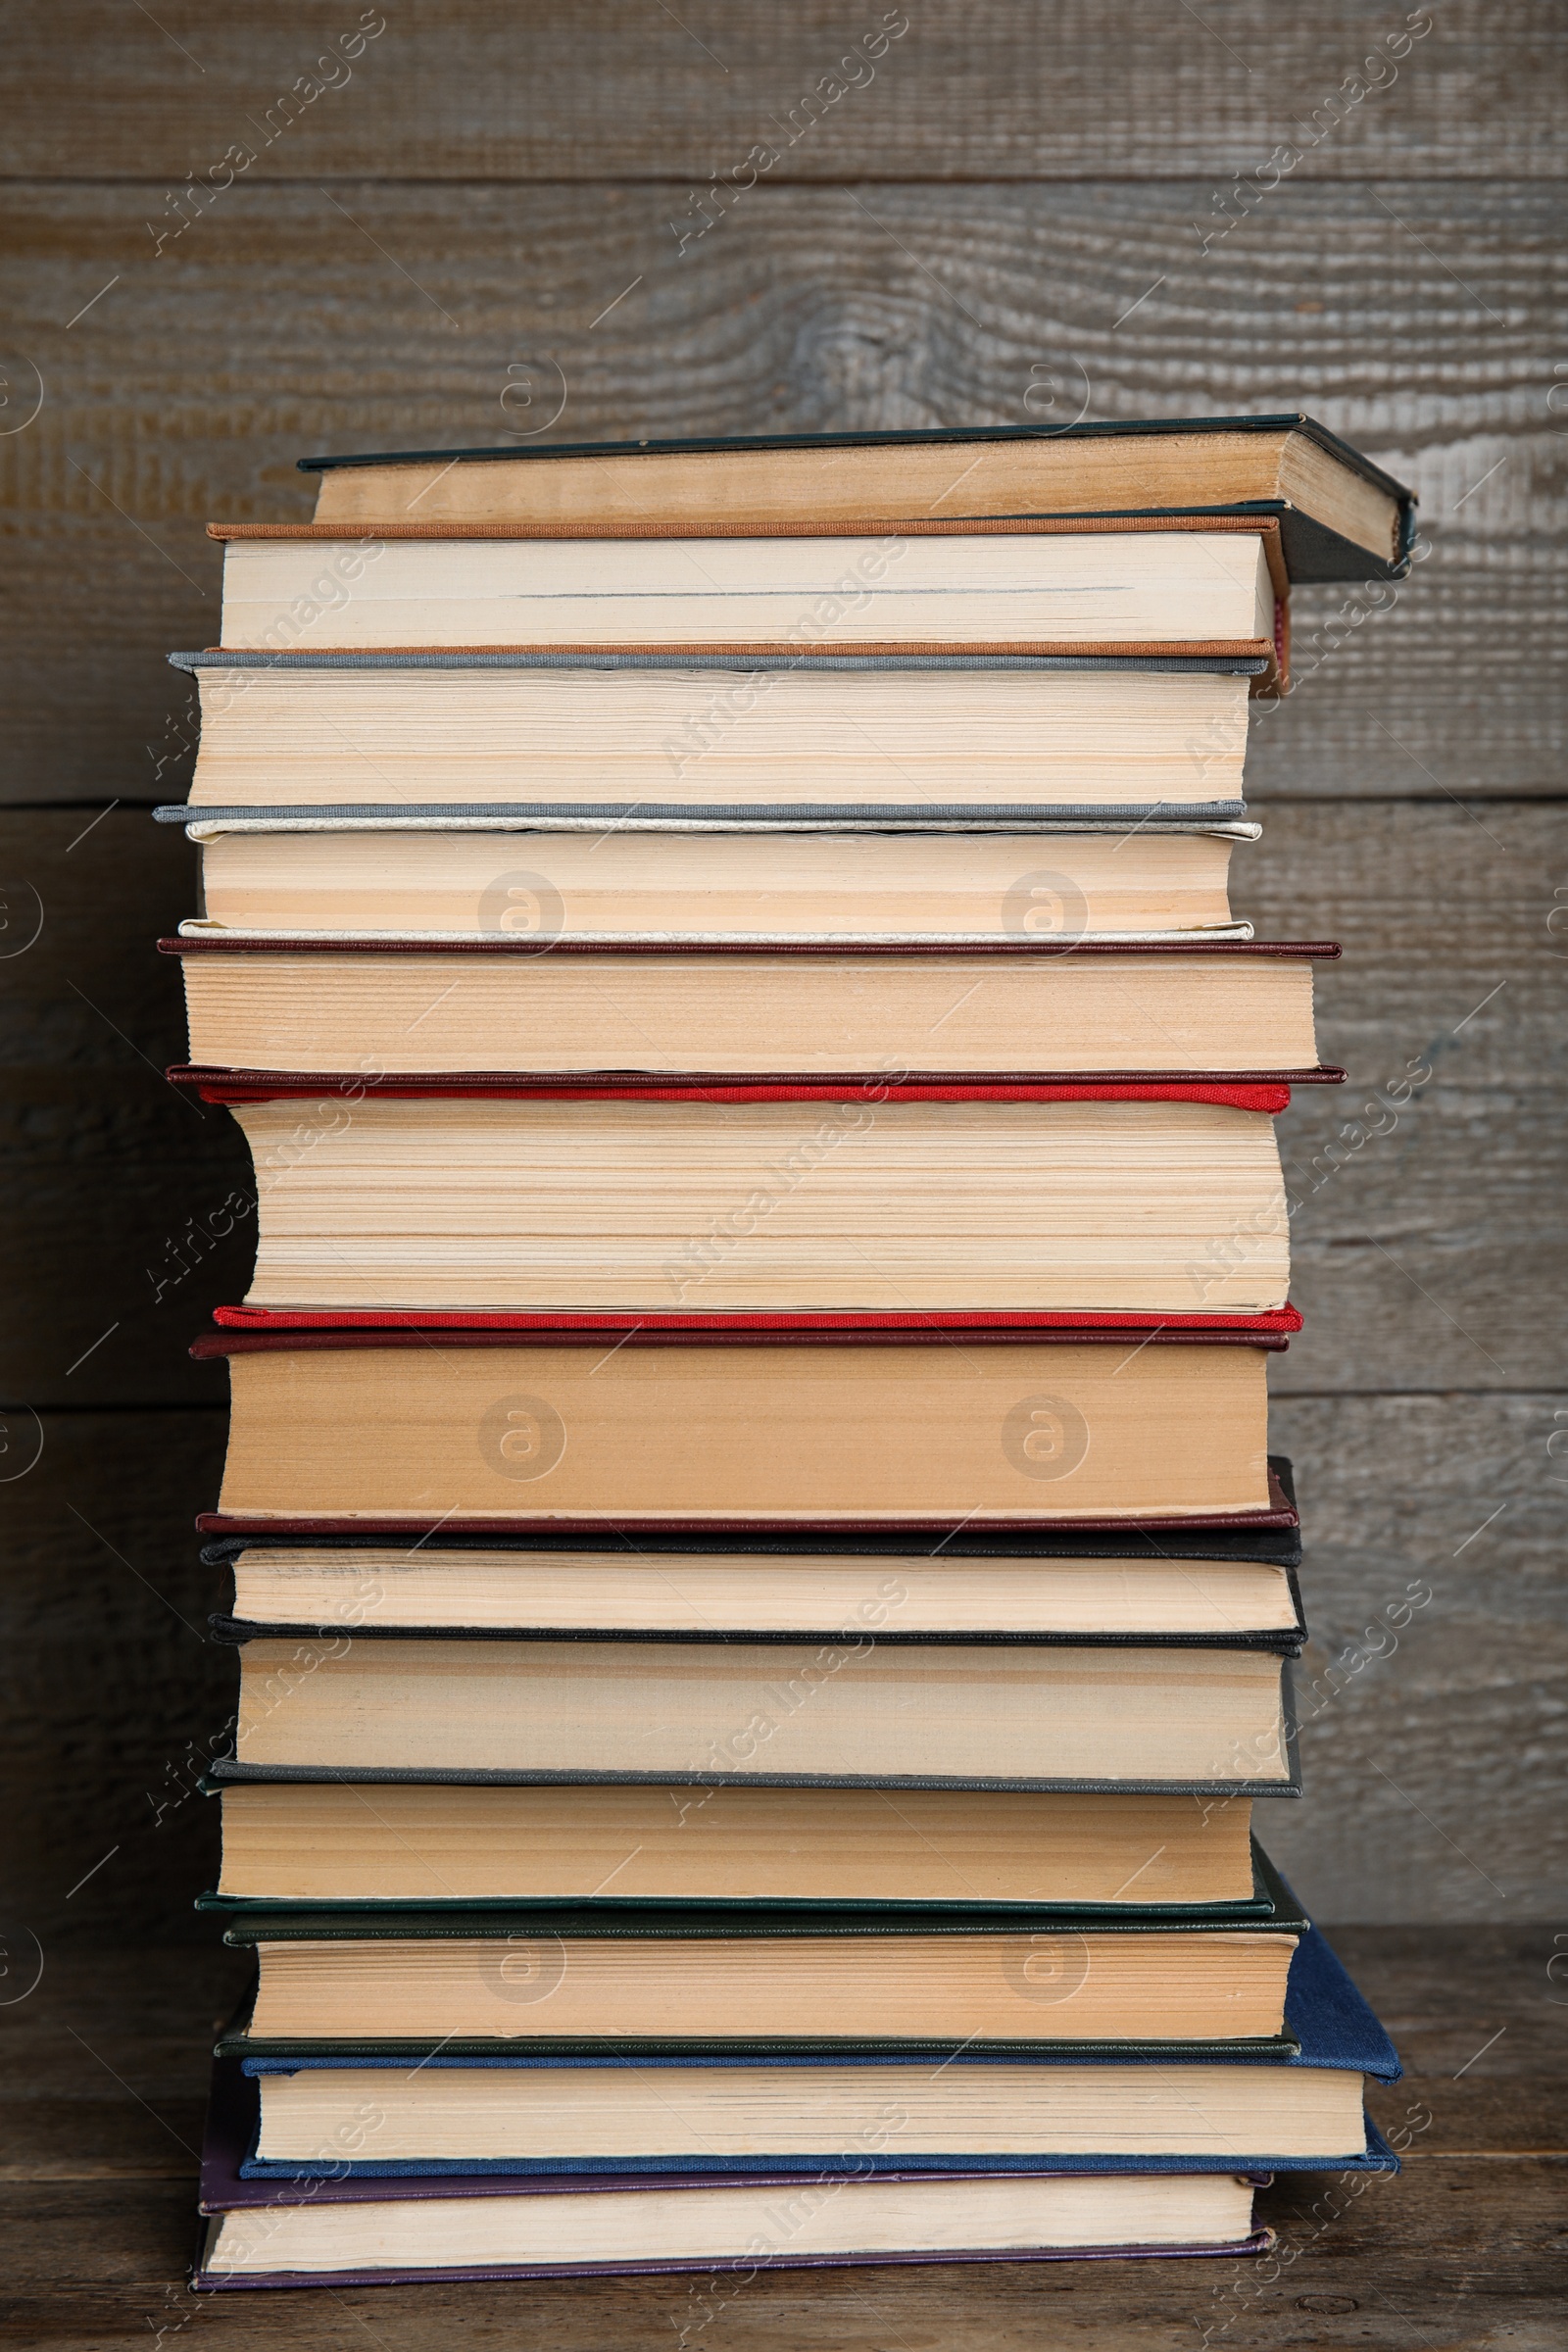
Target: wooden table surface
[{"x": 102, "y": 2074}]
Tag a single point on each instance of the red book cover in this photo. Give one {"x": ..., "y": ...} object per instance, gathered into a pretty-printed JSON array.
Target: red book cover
[{"x": 1269, "y": 1094}]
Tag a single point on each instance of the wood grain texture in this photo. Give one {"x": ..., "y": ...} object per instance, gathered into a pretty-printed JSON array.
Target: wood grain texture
[
  {"x": 1418, "y": 319},
  {"x": 1427, "y": 1722},
  {"x": 625, "y": 89},
  {"x": 103, "y": 1165},
  {"x": 1425, "y": 1243},
  {"x": 1462, "y": 2250},
  {"x": 114, "y": 1695}
]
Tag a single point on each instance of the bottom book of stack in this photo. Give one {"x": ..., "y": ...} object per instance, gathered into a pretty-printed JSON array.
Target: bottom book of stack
[{"x": 664, "y": 2127}]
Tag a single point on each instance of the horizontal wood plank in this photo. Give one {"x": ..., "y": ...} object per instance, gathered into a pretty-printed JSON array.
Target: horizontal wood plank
[
  {"x": 287, "y": 323},
  {"x": 1441, "y": 1991},
  {"x": 626, "y": 91}
]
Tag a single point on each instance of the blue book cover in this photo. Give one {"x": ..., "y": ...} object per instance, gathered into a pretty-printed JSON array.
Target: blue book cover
[{"x": 1332, "y": 2025}]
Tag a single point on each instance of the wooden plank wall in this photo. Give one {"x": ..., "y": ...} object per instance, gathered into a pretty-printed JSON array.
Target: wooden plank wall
[{"x": 481, "y": 224}]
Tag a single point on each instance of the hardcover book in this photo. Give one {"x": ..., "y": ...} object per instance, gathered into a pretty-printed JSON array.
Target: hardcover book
[
  {"x": 287, "y": 876},
  {"x": 580, "y": 1424},
  {"x": 338, "y": 1842},
  {"x": 584, "y": 1201},
  {"x": 845, "y": 1712},
  {"x": 686, "y": 1981},
  {"x": 380, "y": 1007},
  {"x": 1341, "y": 517},
  {"x": 1206, "y": 586},
  {"x": 774, "y": 738}
]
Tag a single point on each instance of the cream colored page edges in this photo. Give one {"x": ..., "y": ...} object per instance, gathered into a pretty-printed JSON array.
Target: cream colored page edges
[
  {"x": 674, "y": 1592},
  {"x": 1027, "y": 1986},
  {"x": 748, "y": 1015},
  {"x": 771, "y": 1205},
  {"x": 714, "y": 2225},
  {"x": 650, "y": 882},
  {"x": 726, "y": 487},
  {"x": 729, "y": 488},
  {"x": 1220, "y": 2111},
  {"x": 320, "y": 1842},
  {"x": 1131, "y": 587},
  {"x": 706, "y": 738},
  {"x": 853, "y": 1707}
]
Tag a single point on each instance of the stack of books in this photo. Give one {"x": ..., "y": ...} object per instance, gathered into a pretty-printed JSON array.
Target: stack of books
[{"x": 763, "y": 1600}]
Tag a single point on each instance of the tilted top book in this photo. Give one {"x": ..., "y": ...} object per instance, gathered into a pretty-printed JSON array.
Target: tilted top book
[{"x": 1340, "y": 516}]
